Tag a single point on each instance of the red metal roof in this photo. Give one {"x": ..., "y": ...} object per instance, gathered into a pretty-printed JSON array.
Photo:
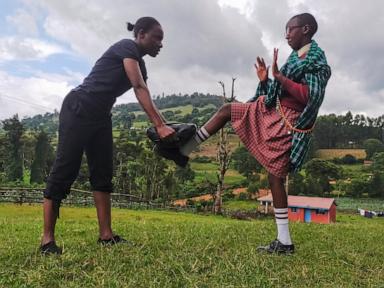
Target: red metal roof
[{"x": 304, "y": 201}]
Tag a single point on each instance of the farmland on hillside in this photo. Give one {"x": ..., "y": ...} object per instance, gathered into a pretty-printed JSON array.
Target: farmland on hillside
[{"x": 329, "y": 154}]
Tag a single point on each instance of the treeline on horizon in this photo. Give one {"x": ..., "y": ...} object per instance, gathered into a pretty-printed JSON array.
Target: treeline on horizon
[
  {"x": 331, "y": 131},
  {"x": 27, "y": 151}
]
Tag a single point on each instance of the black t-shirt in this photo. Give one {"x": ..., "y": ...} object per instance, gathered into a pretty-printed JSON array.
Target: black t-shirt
[{"x": 108, "y": 79}]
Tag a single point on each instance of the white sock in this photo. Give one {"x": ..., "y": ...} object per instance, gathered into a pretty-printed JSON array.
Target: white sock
[
  {"x": 200, "y": 136},
  {"x": 281, "y": 217}
]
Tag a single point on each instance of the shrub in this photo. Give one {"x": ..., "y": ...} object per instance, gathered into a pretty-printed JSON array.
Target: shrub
[
  {"x": 358, "y": 187},
  {"x": 202, "y": 159},
  {"x": 227, "y": 196},
  {"x": 253, "y": 187},
  {"x": 349, "y": 159},
  {"x": 243, "y": 196},
  {"x": 190, "y": 202}
]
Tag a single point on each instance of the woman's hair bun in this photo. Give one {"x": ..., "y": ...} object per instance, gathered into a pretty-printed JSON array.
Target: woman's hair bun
[{"x": 130, "y": 26}]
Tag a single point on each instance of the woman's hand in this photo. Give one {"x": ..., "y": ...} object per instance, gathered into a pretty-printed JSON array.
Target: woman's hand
[
  {"x": 275, "y": 69},
  {"x": 166, "y": 133},
  {"x": 261, "y": 69}
]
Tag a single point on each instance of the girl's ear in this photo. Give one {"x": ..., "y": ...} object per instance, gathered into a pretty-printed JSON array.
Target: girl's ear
[{"x": 306, "y": 29}]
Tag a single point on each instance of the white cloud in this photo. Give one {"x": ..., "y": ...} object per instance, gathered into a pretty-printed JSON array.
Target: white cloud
[
  {"x": 208, "y": 41},
  {"x": 29, "y": 96},
  {"x": 24, "y": 22},
  {"x": 345, "y": 93},
  {"x": 18, "y": 48}
]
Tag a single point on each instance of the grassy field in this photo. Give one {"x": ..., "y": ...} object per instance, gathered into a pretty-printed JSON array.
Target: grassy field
[
  {"x": 209, "y": 148},
  {"x": 243, "y": 205},
  {"x": 187, "y": 109},
  {"x": 187, "y": 250},
  {"x": 328, "y": 154},
  {"x": 344, "y": 203},
  {"x": 208, "y": 171},
  {"x": 141, "y": 124}
]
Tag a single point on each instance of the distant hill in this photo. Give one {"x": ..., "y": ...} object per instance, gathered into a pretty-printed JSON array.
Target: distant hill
[
  {"x": 169, "y": 101},
  {"x": 121, "y": 114}
]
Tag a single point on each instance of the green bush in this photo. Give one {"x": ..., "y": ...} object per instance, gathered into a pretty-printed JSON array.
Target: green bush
[
  {"x": 358, "y": 187},
  {"x": 202, "y": 159},
  {"x": 190, "y": 202},
  {"x": 253, "y": 187},
  {"x": 243, "y": 196},
  {"x": 227, "y": 196},
  {"x": 347, "y": 160}
]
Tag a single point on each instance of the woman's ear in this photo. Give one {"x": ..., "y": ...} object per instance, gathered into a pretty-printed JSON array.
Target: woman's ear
[{"x": 140, "y": 34}]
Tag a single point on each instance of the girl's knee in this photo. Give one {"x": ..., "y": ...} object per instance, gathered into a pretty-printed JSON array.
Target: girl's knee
[{"x": 225, "y": 110}]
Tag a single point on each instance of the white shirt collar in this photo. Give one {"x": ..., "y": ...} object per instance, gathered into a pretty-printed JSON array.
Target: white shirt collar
[{"x": 303, "y": 50}]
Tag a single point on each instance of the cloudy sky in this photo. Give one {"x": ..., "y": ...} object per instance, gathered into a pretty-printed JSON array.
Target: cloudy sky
[{"x": 47, "y": 47}]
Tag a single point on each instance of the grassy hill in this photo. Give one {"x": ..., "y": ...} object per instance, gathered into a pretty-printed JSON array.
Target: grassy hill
[
  {"x": 187, "y": 250},
  {"x": 208, "y": 171}
]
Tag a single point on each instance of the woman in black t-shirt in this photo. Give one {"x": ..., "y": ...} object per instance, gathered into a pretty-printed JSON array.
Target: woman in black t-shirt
[{"x": 85, "y": 126}]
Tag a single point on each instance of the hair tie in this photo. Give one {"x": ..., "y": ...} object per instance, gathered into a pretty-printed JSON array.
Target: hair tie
[{"x": 130, "y": 26}]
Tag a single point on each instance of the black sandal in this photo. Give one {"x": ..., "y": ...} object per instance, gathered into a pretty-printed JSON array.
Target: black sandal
[
  {"x": 50, "y": 248},
  {"x": 116, "y": 239},
  {"x": 277, "y": 247}
]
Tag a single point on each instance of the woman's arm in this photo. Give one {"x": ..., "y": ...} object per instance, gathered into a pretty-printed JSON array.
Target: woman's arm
[{"x": 133, "y": 72}]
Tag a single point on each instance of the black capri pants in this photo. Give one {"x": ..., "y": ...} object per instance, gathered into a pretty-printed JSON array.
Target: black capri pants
[{"x": 79, "y": 133}]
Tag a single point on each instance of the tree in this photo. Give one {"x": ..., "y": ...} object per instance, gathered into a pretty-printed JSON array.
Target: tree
[
  {"x": 313, "y": 186},
  {"x": 321, "y": 171},
  {"x": 358, "y": 187},
  {"x": 349, "y": 159},
  {"x": 3, "y": 153},
  {"x": 244, "y": 162},
  {"x": 296, "y": 184},
  {"x": 43, "y": 158},
  {"x": 377, "y": 185},
  {"x": 378, "y": 162},
  {"x": 14, "y": 166},
  {"x": 373, "y": 146},
  {"x": 184, "y": 174},
  {"x": 377, "y": 181},
  {"x": 223, "y": 155}
]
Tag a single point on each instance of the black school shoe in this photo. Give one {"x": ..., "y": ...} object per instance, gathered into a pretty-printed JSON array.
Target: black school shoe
[
  {"x": 116, "y": 239},
  {"x": 172, "y": 154},
  {"x": 277, "y": 247},
  {"x": 50, "y": 248}
]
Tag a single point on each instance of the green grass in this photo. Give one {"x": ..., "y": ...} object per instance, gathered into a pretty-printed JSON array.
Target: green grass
[
  {"x": 141, "y": 124},
  {"x": 208, "y": 171},
  {"x": 186, "y": 250},
  {"x": 243, "y": 205},
  {"x": 204, "y": 166}
]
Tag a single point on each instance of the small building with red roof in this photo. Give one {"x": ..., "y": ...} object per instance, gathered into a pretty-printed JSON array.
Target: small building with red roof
[{"x": 306, "y": 209}]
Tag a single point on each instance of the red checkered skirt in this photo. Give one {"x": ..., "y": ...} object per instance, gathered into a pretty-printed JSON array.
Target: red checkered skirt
[{"x": 264, "y": 134}]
